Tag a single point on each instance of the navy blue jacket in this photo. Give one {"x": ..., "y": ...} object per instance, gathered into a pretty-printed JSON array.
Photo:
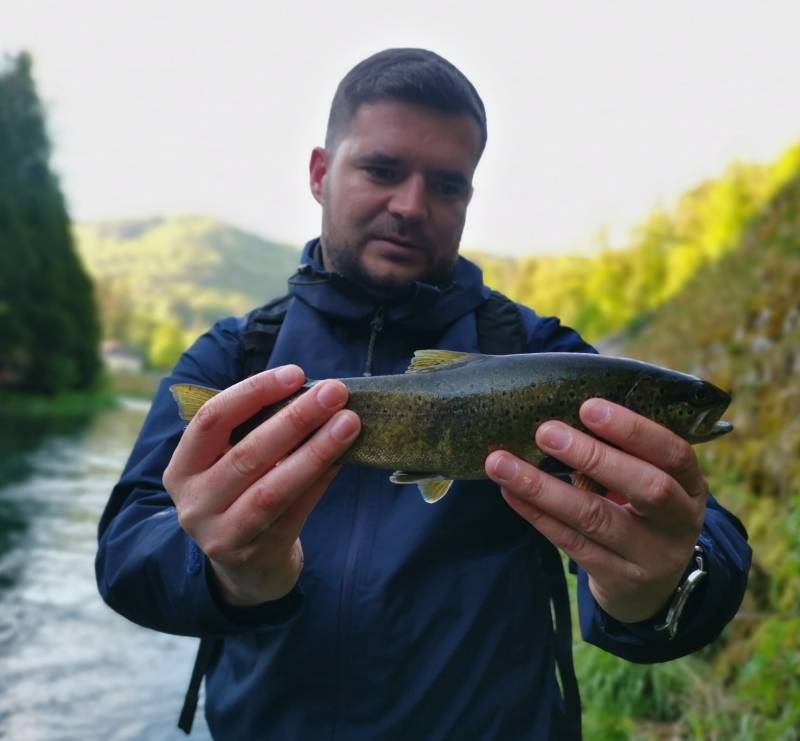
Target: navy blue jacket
[{"x": 410, "y": 620}]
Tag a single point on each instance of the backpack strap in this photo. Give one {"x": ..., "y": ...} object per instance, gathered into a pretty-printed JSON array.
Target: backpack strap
[
  {"x": 206, "y": 653},
  {"x": 260, "y": 334},
  {"x": 570, "y": 725},
  {"x": 501, "y": 331}
]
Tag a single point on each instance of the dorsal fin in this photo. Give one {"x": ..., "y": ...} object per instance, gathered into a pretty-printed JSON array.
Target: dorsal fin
[{"x": 428, "y": 360}]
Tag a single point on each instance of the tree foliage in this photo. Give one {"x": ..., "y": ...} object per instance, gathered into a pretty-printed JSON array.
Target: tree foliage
[
  {"x": 167, "y": 342},
  {"x": 602, "y": 293},
  {"x": 49, "y": 331}
]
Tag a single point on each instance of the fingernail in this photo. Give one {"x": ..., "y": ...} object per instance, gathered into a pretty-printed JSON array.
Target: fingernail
[
  {"x": 554, "y": 437},
  {"x": 505, "y": 468},
  {"x": 287, "y": 375},
  {"x": 343, "y": 427},
  {"x": 330, "y": 395},
  {"x": 597, "y": 411}
]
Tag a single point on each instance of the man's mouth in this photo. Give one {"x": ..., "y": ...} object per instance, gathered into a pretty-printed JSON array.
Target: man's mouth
[{"x": 399, "y": 241}]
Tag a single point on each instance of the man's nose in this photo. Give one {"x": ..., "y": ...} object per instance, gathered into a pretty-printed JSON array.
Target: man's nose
[{"x": 409, "y": 199}]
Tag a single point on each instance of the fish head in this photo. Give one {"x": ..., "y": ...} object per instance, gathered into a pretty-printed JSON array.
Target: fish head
[{"x": 692, "y": 408}]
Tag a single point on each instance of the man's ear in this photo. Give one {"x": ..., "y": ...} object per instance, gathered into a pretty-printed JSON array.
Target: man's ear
[{"x": 317, "y": 169}]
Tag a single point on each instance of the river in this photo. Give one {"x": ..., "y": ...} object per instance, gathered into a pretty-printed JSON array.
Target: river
[{"x": 70, "y": 667}]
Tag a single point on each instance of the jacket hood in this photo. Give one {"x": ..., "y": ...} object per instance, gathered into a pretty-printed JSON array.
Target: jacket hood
[{"x": 424, "y": 307}]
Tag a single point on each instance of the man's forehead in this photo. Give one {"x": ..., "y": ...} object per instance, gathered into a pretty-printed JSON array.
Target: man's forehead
[{"x": 394, "y": 127}]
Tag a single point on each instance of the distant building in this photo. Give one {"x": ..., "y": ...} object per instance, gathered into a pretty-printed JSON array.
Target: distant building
[{"x": 119, "y": 357}]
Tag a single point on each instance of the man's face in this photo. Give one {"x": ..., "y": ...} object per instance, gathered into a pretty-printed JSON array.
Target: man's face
[{"x": 394, "y": 194}]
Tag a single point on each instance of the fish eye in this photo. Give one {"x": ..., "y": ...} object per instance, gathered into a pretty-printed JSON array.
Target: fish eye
[{"x": 700, "y": 393}]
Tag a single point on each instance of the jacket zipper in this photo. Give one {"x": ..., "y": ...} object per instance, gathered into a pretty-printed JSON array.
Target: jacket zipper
[
  {"x": 359, "y": 524},
  {"x": 376, "y": 325},
  {"x": 345, "y": 688}
]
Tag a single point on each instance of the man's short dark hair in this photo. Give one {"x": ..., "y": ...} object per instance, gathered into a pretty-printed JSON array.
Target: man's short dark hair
[{"x": 416, "y": 76}]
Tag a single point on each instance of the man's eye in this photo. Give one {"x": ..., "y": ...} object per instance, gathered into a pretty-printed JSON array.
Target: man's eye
[
  {"x": 449, "y": 188},
  {"x": 381, "y": 173}
]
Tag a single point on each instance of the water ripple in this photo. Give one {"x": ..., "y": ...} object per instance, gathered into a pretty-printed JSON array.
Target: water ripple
[{"x": 71, "y": 668}]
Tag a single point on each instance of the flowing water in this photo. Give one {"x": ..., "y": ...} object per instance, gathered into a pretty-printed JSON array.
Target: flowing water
[{"x": 70, "y": 667}]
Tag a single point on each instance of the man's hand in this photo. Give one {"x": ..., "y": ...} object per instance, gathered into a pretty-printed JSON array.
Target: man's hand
[
  {"x": 634, "y": 553},
  {"x": 245, "y": 506}
]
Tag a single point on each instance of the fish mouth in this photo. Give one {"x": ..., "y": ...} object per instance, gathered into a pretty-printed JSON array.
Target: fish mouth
[{"x": 709, "y": 426}]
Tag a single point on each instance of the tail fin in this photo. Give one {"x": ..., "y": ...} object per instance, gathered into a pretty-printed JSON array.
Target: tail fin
[{"x": 190, "y": 398}]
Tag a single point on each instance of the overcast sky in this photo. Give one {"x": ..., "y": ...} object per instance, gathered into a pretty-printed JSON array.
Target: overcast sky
[{"x": 598, "y": 111}]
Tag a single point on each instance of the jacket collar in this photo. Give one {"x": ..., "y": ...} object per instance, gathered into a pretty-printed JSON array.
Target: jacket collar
[{"x": 424, "y": 307}]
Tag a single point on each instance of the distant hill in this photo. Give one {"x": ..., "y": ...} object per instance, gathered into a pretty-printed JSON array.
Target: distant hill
[{"x": 183, "y": 273}]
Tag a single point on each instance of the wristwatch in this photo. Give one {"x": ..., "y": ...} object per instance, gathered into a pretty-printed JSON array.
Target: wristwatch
[{"x": 682, "y": 593}]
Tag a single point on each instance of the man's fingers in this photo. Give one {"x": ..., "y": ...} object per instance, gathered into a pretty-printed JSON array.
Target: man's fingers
[
  {"x": 649, "y": 489},
  {"x": 646, "y": 440},
  {"x": 633, "y": 564},
  {"x": 207, "y": 435},
  {"x": 594, "y": 558},
  {"x": 306, "y": 470},
  {"x": 289, "y": 525},
  {"x": 271, "y": 442},
  {"x": 582, "y": 512}
]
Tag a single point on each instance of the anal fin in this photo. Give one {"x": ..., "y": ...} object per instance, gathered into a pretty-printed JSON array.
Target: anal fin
[{"x": 432, "y": 486}]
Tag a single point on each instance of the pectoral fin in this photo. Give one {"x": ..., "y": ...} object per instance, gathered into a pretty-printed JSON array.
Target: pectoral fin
[
  {"x": 432, "y": 486},
  {"x": 554, "y": 467},
  {"x": 190, "y": 398},
  {"x": 582, "y": 481}
]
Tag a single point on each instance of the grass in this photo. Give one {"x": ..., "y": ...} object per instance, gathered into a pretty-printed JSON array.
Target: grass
[{"x": 68, "y": 404}]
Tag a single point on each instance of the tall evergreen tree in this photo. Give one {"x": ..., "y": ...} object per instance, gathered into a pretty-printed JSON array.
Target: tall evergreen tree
[{"x": 49, "y": 330}]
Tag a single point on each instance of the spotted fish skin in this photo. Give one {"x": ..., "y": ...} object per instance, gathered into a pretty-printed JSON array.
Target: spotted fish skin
[
  {"x": 445, "y": 420},
  {"x": 441, "y": 419}
]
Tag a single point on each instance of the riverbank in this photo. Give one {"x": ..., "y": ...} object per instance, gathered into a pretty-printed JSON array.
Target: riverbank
[
  {"x": 15, "y": 404},
  {"x": 72, "y": 404}
]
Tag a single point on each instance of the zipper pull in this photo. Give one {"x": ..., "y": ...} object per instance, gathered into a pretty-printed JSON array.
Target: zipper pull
[{"x": 376, "y": 325}]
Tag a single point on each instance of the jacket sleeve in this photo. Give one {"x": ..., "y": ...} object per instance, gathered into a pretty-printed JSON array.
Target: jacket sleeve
[
  {"x": 709, "y": 608},
  {"x": 147, "y": 568},
  {"x": 727, "y": 560}
]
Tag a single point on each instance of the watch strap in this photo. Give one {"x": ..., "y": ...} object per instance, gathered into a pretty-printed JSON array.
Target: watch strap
[{"x": 682, "y": 593}]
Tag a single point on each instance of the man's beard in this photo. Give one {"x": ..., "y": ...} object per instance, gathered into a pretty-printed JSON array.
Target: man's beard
[
  {"x": 346, "y": 260},
  {"x": 347, "y": 263}
]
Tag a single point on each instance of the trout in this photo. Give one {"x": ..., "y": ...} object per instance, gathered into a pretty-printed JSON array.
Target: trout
[{"x": 440, "y": 420}]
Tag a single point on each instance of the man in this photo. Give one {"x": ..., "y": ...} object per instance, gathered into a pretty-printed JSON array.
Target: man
[{"x": 350, "y": 608}]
